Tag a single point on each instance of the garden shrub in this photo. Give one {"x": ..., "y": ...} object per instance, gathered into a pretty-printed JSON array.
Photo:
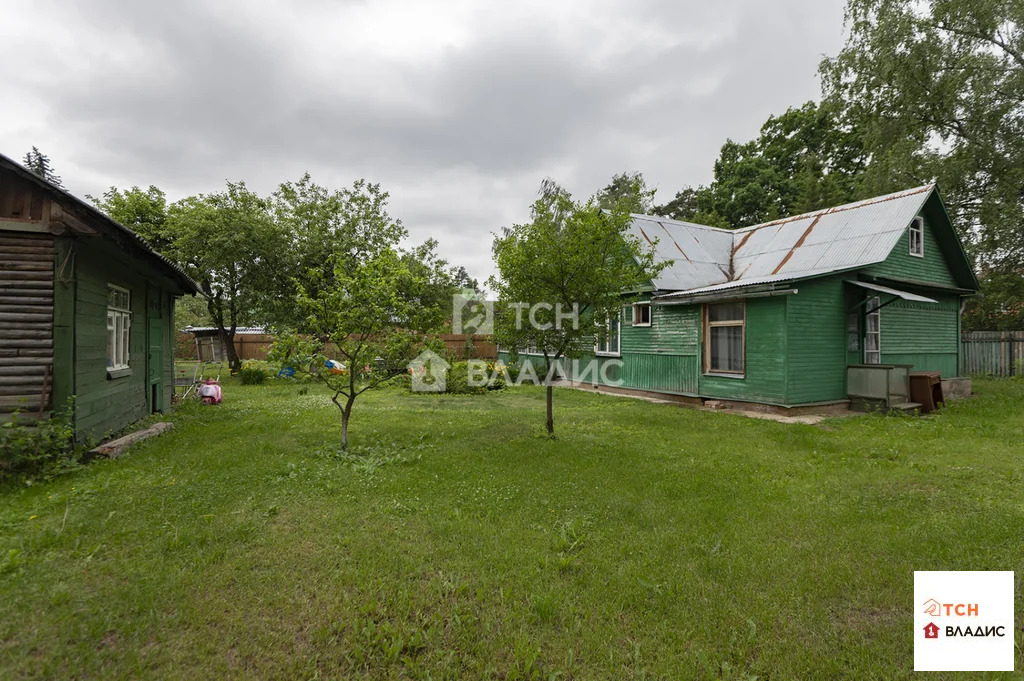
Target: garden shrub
[
  {"x": 252, "y": 374},
  {"x": 458, "y": 381},
  {"x": 43, "y": 449}
]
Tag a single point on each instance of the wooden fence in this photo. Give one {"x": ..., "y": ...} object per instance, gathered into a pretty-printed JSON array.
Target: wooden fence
[
  {"x": 994, "y": 353},
  {"x": 255, "y": 346}
]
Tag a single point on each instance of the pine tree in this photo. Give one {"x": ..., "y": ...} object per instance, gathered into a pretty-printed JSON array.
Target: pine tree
[{"x": 39, "y": 163}]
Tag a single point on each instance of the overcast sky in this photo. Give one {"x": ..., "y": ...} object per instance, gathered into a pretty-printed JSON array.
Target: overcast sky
[{"x": 459, "y": 109}]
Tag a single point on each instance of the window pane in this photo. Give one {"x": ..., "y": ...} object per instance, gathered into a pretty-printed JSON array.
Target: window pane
[
  {"x": 725, "y": 312},
  {"x": 111, "y": 342},
  {"x": 642, "y": 314},
  {"x": 727, "y": 348},
  {"x": 127, "y": 335}
]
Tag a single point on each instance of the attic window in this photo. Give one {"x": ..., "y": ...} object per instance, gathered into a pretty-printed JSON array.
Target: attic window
[
  {"x": 641, "y": 314},
  {"x": 917, "y": 237}
]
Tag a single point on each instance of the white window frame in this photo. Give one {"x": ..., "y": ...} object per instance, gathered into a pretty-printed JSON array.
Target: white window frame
[
  {"x": 602, "y": 347},
  {"x": 650, "y": 312},
  {"x": 872, "y": 309},
  {"x": 708, "y": 325},
  {"x": 119, "y": 329},
  {"x": 916, "y": 237}
]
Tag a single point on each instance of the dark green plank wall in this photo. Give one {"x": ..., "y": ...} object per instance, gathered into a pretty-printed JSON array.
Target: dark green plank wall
[
  {"x": 816, "y": 328},
  {"x": 922, "y": 334},
  {"x": 900, "y": 265},
  {"x": 766, "y": 338},
  {"x": 102, "y": 404}
]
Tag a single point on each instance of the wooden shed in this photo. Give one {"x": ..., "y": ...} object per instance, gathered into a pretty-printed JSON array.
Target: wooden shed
[
  {"x": 785, "y": 313},
  {"x": 86, "y": 310}
]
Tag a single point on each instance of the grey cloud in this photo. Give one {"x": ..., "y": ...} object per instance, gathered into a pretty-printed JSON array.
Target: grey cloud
[{"x": 185, "y": 96}]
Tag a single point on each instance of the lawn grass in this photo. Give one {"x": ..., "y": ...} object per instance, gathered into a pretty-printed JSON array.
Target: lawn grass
[{"x": 647, "y": 541}]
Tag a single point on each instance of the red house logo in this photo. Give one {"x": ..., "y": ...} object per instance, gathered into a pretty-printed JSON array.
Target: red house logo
[{"x": 931, "y": 630}]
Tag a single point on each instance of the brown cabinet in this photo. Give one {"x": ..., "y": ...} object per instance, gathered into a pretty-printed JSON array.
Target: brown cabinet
[{"x": 926, "y": 389}]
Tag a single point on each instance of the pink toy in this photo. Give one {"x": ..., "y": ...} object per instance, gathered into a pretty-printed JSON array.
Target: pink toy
[{"x": 210, "y": 392}]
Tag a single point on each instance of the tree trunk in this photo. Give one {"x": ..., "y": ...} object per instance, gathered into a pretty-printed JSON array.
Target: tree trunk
[
  {"x": 551, "y": 417},
  {"x": 234, "y": 364},
  {"x": 345, "y": 413}
]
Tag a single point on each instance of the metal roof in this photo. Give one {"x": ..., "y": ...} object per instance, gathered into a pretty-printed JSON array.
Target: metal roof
[
  {"x": 892, "y": 292},
  {"x": 700, "y": 253},
  {"x": 62, "y": 193},
  {"x": 241, "y": 330},
  {"x": 831, "y": 240}
]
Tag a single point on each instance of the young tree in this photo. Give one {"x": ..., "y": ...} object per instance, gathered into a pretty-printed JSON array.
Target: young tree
[
  {"x": 570, "y": 257},
  {"x": 368, "y": 306},
  {"x": 229, "y": 243},
  {"x": 39, "y": 163}
]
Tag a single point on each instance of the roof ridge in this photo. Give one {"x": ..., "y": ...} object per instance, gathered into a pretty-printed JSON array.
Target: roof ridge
[
  {"x": 662, "y": 218},
  {"x": 852, "y": 205}
]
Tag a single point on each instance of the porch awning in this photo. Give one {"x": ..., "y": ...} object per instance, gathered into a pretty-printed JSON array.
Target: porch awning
[{"x": 892, "y": 291}]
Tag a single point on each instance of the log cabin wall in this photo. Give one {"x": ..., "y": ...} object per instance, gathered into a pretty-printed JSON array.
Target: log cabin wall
[{"x": 26, "y": 323}]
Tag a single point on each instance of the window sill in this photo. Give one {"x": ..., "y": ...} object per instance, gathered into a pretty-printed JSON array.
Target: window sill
[
  {"x": 118, "y": 373},
  {"x": 647, "y": 324},
  {"x": 608, "y": 354},
  {"x": 722, "y": 374},
  {"x": 916, "y": 255}
]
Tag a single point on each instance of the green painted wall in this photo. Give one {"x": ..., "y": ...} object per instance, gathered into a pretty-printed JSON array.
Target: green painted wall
[
  {"x": 922, "y": 334},
  {"x": 816, "y": 341},
  {"x": 932, "y": 268},
  {"x": 104, "y": 404},
  {"x": 765, "y": 377}
]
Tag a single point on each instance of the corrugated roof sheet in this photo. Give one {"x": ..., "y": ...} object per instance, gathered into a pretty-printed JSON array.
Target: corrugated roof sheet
[
  {"x": 240, "y": 331},
  {"x": 831, "y": 240},
  {"x": 701, "y": 253}
]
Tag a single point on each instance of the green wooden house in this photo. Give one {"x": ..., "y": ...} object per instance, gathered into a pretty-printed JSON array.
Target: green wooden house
[
  {"x": 86, "y": 310},
  {"x": 793, "y": 312}
]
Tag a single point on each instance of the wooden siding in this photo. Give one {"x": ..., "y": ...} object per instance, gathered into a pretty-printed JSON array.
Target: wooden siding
[
  {"x": 900, "y": 265},
  {"x": 764, "y": 379},
  {"x": 816, "y": 330},
  {"x": 26, "y": 320},
  {"x": 924, "y": 335},
  {"x": 104, "y": 404}
]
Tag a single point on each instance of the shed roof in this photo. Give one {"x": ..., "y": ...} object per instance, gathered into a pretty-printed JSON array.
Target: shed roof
[
  {"x": 240, "y": 331},
  {"x": 707, "y": 259},
  {"x": 65, "y": 197}
]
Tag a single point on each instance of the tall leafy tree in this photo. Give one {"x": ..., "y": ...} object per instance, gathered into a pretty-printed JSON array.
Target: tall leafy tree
[
  {"x": 628, "y": 187},
  {"x": 570, "y": 255},
  {"x": 937, "y": 89},
  {"x": 144, "y": 211},
  {"x": 802, "y": 160},
  {"x": 229, "y": 243},
  {"x": 39, "y": 163}
]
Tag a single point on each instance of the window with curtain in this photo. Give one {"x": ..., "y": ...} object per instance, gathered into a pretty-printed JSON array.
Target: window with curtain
[
  {"x": 873, "y": 332},
  {"x": 917, "y": 237},
  {"x": 119, "y": 324},
  {"x": 608, "y": 341},
  {"x": 724, "y": 331},
  {"x": 641, "y": 314}
]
